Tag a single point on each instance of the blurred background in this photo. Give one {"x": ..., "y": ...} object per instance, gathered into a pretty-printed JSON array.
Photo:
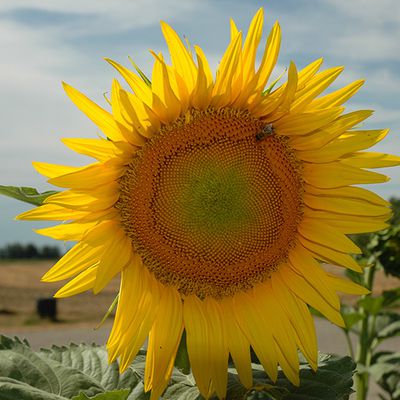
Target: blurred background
[{"x": 44, "y": 42}]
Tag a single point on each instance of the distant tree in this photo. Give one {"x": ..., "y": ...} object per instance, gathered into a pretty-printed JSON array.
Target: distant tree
[
  {"x": 395, "y": 203},
  {"x": 50, "y": 252},
  {"x": 31, "y": 251},
  {"x": 28, "y": 251}
]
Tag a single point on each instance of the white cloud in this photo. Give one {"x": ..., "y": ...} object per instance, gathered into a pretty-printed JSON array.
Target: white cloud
[
  {"x": 109, "y": 16},
  {"x": 374, "y": 12}
]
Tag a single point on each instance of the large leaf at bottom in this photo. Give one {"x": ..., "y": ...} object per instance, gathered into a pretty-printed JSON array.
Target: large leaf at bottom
[
  {"x": 81, "y": 372},
  {"x": 61, "y": 372}
]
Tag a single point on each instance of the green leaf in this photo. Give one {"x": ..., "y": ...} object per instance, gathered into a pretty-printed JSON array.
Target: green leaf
[
  {"x": 140, "y": 72},
  {"x": 350, "y": 316},
  {"x": 27, "y": 194},
  {"x": 92, "y": 360},
  {"x": 109, "y": 311},
  {"x": 372, "y": 304},
  {"x": 391, "y": 298},
  {"x": 182, "y": 358},
  {"x": 390, "y": 329},
  {"x": 332, "y": 381},
  {"x": 82, "y": 372},
  {"x": 61, "y": 372},
  {"x": 386, "y": 372},
  {"x": 113, "y": 395}
]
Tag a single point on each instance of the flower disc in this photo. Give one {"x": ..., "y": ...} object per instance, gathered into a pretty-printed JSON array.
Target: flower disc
[{"x": 210, "y": 204}]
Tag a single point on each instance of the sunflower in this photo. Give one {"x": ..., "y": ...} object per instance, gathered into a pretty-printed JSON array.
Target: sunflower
[{"x": 216, "y": 199}]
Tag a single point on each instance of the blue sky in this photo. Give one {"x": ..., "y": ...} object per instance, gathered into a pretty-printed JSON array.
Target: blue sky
[{"x": 43, "y": 42}]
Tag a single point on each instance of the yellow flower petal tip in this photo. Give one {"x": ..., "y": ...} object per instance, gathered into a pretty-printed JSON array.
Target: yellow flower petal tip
[{"x": 215, "y": 199}]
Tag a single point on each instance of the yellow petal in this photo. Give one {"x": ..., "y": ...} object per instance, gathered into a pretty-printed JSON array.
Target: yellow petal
[
  {"x": 307, "y": 73},
  {"x": 335, "y": 175},
  {"x": 103, "y": 119},
  {"x": 345, "y": 206},
  {"x": 238, "y": 345},
  {"x": 329, "y": 255},
  {"x": 100, "y": 149},
  {"x": 314, "y": 87},
  {"x": 140, "y": 326},
  {"x": 351, "y": 223},
  {"x": 300, "y": 317},
  {"x": 131, "y": 290},
  {"x": 325, "y": 235},
  {"x": 53, "y": 170},
  {"x": 125, "y": 116},
  {"x": 346, "y": 286},
  {"x": 70, "y": 231},
  {"x": 83, "y": 282},
  {"x": 343, "y": 145},
  {"x": 179, "y": 87},
  {"x": 94, "y": 200},
  {"x": 203, "y": 90},
  {"x": 206, "y": 67},
  {"x": 302, "y": 289},
  {"x": 372, "y": 160},
  {"x": 50, "y": 212},
  {"x": 274, "y": 107},
  {"x": 326, "y": 134},
  {"x": 218, "y": 347},
  {"x": 281, "y": 329},
  {"x": 250, "y": 45},
  {"x": 234, "y": 29},
  {"x": 257, "y": 331},
  {"x": 79, "y": 258},
  {"x": 139, "y": 87},
  {"x": 88, "y": 177},
  {"x": 164, "y": 340},
  {"x": 355, "y": 193},
  {"x": 165, "y": 102},
  {"x": 226, "y": 72},
  {"x": 270, "y": 56},
  {"x": 305, "y": 265},
  {"x": 142, "y": 117},
  {"x": 302, "y": 124},
  {"x": 181, "y": 58},
  {"x": 117, "y": 254},
  {"x": 338, "y": 97},
  {"x": 197, "y": 339}
]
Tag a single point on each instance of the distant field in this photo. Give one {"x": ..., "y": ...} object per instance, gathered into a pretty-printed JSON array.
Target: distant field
[{"x": 20, "y": 287}]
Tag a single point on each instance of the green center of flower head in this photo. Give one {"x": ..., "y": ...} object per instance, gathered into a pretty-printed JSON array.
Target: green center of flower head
[
  {"x": 210, "y": 207},
  {"x": 213, "y": 200}
]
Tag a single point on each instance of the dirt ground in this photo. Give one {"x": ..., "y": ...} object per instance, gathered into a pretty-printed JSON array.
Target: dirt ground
[{"x": 20, "y": 287}]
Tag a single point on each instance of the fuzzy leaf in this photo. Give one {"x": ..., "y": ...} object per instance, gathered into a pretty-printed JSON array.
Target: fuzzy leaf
[
  {"x": 61, "y": 372},
  {"x": 113, "y": 395},
  {"x": 386, "y": 373},
  {"x": 81, "y": 372}
]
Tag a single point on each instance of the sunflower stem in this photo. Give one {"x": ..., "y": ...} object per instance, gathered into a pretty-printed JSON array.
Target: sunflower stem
[
  {"x": 349, "y": 344},
  {"x": 363, "y": 357}
]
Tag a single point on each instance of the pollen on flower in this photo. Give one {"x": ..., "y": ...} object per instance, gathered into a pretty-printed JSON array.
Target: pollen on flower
[{"x": 210, "y": 208}]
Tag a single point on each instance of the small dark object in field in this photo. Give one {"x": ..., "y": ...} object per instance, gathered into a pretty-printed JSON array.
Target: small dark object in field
[
  {"x": 47, "y": 308},
  {"x": 5, "y": 311}
]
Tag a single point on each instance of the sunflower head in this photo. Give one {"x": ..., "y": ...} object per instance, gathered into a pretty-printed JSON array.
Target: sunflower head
[{"x": 216, "y": 200}]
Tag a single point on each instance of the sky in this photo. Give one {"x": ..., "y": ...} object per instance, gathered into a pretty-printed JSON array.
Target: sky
[{"x": 44, "y": 42}]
